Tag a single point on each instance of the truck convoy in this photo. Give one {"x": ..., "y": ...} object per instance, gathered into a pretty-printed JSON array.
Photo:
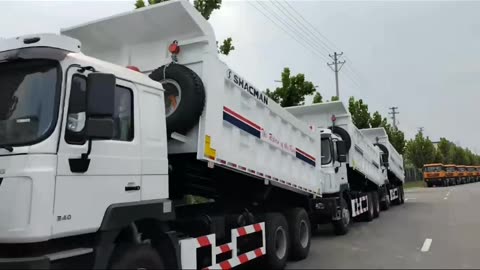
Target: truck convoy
[
  {"x": 437, "y": 174},
  {"x": 100, "y": 151}
]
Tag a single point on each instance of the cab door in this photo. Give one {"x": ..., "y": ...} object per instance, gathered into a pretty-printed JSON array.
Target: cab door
[{"x": 113, "y": 173}]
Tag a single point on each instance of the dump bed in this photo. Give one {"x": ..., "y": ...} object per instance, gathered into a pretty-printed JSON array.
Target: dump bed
[
  {"x": 363, "y": 156},
  {"x": 240, "y": 128},
  {"x": 395, "y": 160}
]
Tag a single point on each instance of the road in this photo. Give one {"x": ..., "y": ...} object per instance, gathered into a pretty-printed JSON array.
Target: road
[{"x": 448, "y": 216}]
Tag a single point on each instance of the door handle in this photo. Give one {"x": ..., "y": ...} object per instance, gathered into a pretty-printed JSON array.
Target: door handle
[{"x": 132, "y": 188}]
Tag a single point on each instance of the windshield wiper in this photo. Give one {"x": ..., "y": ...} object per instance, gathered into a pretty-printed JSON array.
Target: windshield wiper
[{"x": 7, "y": 147}]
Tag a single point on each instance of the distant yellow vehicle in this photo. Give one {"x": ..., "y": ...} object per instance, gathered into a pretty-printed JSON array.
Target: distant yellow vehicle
[
  {"x": 462, "y": 174},
  {"x": 471, "y": 174},
  {"x": 451, "y": 174},
  {"x": 434, "y": 174}
]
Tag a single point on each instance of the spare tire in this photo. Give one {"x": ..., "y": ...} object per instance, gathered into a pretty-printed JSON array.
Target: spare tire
[
  {"x": 184, "y": 96},
  {"x": 343, "y": 134}
]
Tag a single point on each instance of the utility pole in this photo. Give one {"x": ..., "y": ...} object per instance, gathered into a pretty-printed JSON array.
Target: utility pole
[
  {"x": 394, "y": 113},
  {"x": 420, "y": 129},
  {"x": 337, "y": 65}
]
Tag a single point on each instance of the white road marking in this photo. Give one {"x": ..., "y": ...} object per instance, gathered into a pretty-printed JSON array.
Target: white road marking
[
  {"x": 426, "y": 245},
  {"x": 445, "y": 198}
]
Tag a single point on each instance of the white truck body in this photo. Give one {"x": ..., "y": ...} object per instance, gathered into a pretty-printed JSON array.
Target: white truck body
[
  {"x": 363, "y": 156},
  {"x": 240, "y": 128},
  {"x": 395, "y": 160}
]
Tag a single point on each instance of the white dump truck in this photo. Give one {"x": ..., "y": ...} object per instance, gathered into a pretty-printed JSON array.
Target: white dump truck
[
  {"x": 392, "y": 162},
  {"x": 364, "y": 183},
  {"x": 97, "y": 159}
]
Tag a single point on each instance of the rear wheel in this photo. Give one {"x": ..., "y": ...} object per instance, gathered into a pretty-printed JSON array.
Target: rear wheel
[
  {"x": 401, "y": 195},
  {"x": 385, "y": 204},
  {"x": 278, "y": 241},
  {"x": 341, "y": 226},
  {"x": 140, "y": 256},
  {"x": 429, "y": 184},
  {"x": 376, "y": 204},
  {"x": 300, "y": 233},
  {"x": 370, "y": 212}
]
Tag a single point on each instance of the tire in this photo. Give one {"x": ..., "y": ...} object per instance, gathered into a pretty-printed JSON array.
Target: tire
[
  {"x": 401, "y": 195},
  {"x": 300, "y": 233},
  {"x": 137, "y": 257},
  {"x": 278, "y": 241},
  {"x": 429, "y": 184},
  {"x": 376, "y": 204},
  {"x": 385, "y": 204},
  {"x": 343, "y": 134},
  {"x": 368, "y": 216},
  {"x": 341, "y": 227},
  {"x": 185, "y": 87}
]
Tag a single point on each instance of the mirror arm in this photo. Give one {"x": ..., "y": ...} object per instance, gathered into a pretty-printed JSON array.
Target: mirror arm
[{"x": 89, "y": 150}]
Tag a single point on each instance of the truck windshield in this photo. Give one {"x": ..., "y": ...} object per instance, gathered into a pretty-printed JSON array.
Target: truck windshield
[
  {"x": 450, "y": 169},
  {"x": 28, "y": 97},
  {"x": 433, "y": 169},
  {"x": 326, "y": 151}
]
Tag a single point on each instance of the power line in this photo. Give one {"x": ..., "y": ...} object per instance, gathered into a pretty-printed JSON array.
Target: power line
[
  {"x": 394, "y": 113},
  {"x": 292, "y": 32},
  {"x": 337, "y": 65},
  {"x": 331, "y": 46}
]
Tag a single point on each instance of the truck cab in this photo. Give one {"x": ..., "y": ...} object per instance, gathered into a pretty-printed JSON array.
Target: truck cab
[
  {"x": 71, "y": 146},
  {"x": 451, "y": 174},
  {"x": 434, "y": 174}
]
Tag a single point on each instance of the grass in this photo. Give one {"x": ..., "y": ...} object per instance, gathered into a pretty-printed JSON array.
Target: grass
[{"x": 416, "y": 184}]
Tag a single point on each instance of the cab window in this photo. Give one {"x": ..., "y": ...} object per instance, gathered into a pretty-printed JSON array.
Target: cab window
[{"x": 123, "y": 113}]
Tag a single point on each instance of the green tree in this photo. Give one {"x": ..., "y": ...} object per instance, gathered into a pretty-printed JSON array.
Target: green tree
[
  {"x": 317, "y": 98},
  {"x": 206, "y": 7},
  {"x": 335, "y": 98},
  {"x": 359, "y": 112},
  {"x": 444, "y": 148},
  {"x": 420, "y": 151},
  {"x": 376, "y": 120},
  {"x": 396, "y": 137},
  {"x": 139, "y": 4},
  {"x": 438, "y": 158},
  {"x": 226, "y": 47},
  {"x": 293, "y": 90}
]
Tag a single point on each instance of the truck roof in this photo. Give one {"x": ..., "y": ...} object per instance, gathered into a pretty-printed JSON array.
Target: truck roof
[
  {"x": 432, "y": 164},
  {"x": 336, "y": 108},
  {"x": 450, "y": 165}
]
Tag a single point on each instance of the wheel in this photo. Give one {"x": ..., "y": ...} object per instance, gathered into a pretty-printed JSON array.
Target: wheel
[
  {"x": 376, "y": 204},
  {"x": 368, "y": 216},
  {"x": 278, "y": 241},
  {"x": 429, "y": 184},
  {"x": 184, "y": 96},
  {"x": 300, "y": 233},
  {"x": 137, "y": 257},
  {"x": 401, "y": 194},
  {"x": 340, "y": 227},
  {"x": 385, "y": 204}
]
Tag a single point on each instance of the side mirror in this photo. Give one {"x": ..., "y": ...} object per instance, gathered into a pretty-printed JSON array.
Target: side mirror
[
  {"x": 341, "y": 151},
  {"x": 100, "y": 105}
]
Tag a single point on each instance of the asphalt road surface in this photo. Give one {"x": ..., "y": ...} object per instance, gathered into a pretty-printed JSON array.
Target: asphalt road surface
[{"x": 435, "y": 228}]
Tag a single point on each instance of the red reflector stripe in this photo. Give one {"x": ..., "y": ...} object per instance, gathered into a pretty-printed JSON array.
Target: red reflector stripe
[
  {"x": 225, "y": 248},
  {"x": 257, "y": 227},
  {"x": 258, "y": 252},
  {"x": 203, "y": 241},
  {"x": 225, "y": 265},
  {"x": 241, "y": 231},
  {"x": 243, "y": 258}
]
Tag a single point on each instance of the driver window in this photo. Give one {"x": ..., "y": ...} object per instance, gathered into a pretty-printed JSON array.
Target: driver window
[{"x": 123, "y": 114}]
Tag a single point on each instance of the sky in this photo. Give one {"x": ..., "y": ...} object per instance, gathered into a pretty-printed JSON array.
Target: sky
[{"x": 421, "y": 57}]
